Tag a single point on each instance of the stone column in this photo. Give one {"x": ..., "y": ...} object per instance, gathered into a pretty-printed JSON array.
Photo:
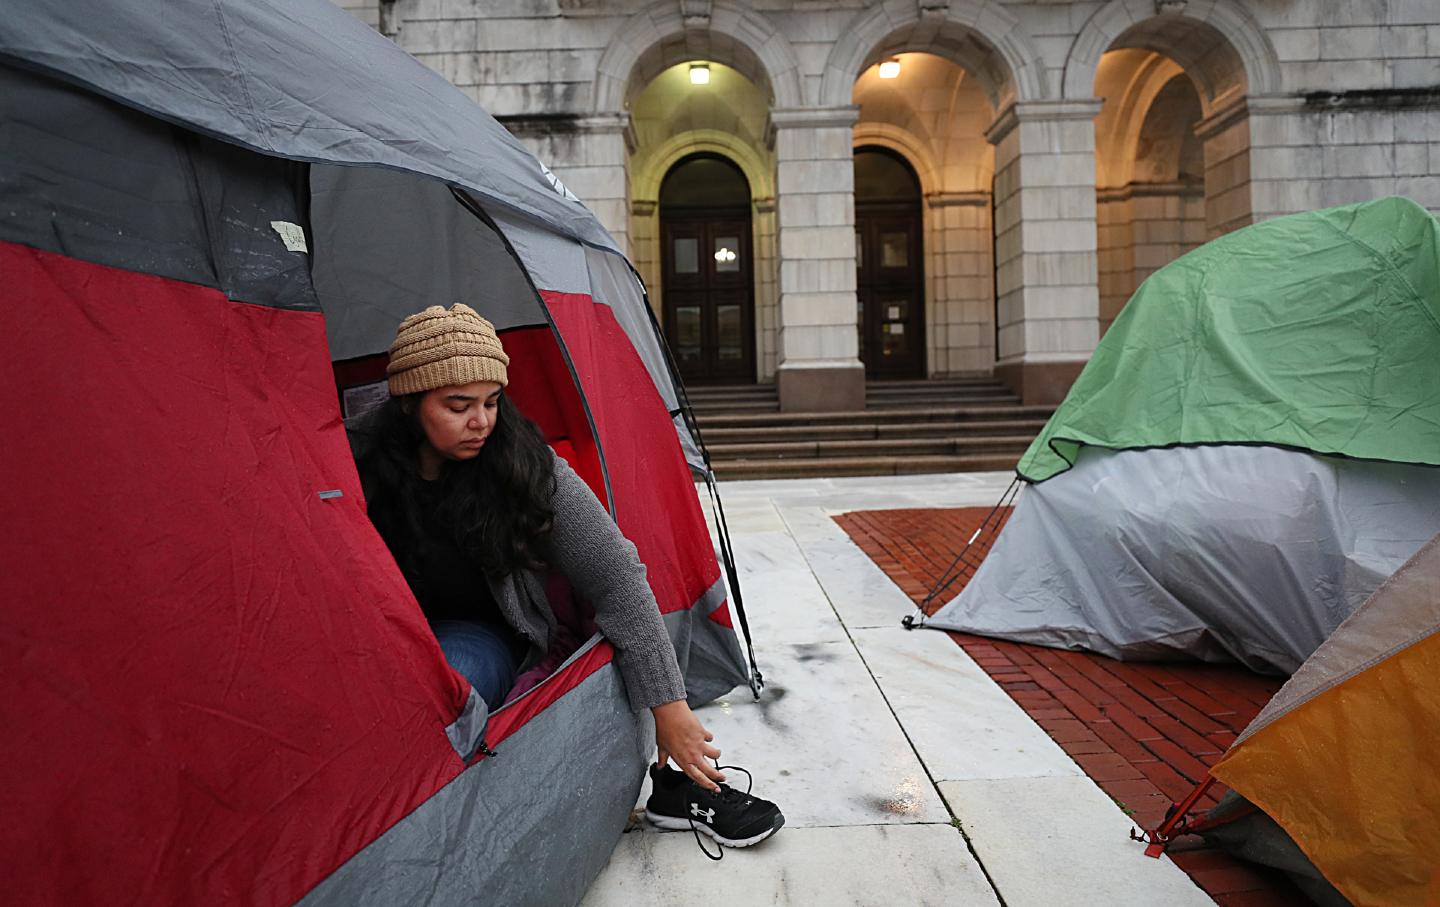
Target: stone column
[
  {"x": 819, "y": 367},
  {"x": 1046, "y": 271}
]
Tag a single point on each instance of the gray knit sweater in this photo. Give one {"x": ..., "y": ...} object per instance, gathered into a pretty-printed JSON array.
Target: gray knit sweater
[{"x": 604, "y": 569}]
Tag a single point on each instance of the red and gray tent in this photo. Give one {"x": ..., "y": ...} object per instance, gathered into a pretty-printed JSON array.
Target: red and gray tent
[{"x": 217, "y": 686}]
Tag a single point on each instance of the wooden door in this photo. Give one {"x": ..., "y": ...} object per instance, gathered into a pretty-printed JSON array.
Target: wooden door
[
  {"x": 890, "y": 291},
  {"x": 709, "y": 310}
]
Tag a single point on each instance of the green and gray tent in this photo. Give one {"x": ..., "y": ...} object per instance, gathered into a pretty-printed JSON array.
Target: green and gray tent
[{"x": 1247, "y": 456}]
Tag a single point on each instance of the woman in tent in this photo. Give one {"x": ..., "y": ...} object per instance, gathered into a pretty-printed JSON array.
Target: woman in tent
[{"x": 476, "y": 509}]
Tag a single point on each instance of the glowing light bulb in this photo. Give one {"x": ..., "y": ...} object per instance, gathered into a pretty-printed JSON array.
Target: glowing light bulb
[
  {"x": 699, "y": 74},
  {"x": 890, "y": 69}
]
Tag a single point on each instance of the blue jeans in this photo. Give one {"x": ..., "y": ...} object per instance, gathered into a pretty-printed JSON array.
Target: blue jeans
[{"x": 483, "y": 654}]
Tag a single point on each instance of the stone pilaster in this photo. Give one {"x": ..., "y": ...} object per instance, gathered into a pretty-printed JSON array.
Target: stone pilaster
[
  {"x": 1226, "y": 137},
  {"x": 960, "y": 280},
  {"x": 1045, "y": 242},
  {"x": 819, "y": 367}
]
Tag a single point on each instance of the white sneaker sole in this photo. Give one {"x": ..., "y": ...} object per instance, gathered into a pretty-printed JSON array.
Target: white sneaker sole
[{"x": 670, "y": 823}]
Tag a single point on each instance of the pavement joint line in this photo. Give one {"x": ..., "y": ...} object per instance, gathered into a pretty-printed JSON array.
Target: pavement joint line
[{"x": 924, "y": 766}]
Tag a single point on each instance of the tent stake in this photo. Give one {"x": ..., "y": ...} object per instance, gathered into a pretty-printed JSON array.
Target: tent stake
[{"x": 1157, "y": 839}]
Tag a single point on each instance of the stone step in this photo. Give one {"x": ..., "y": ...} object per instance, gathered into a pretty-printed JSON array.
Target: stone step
[
  {"x": 735, "y": 470},
  {"x": 965, "y": 399},
  {"x": 968, "y": 413},
  {"x": 868, "y": 430},
  {"x": 874, "y": 447},
  {"x": 933, "y": 390},
  {"x": 734, "y": 406},
  {"x": 732, "y": 392}
]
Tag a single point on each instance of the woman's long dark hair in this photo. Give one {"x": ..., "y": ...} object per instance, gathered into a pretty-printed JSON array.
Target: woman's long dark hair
[{"x": 497, "y": 504}]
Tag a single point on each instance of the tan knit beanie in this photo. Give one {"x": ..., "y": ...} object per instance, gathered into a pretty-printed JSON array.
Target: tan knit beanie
[{"x": 436, "y": 348}]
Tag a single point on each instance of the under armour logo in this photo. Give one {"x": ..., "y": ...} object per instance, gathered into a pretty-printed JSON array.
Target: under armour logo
[{"x": 707, "y": 814}]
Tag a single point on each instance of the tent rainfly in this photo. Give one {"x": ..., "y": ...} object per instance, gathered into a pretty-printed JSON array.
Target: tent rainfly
[
  {"x": 1249, "y": 455},
  {"x": 218, "y": 687}
]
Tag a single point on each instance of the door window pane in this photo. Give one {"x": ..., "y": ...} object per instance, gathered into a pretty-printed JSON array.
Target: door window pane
[
  {"x": 687, "y": 333},
  {"x": 687, "y": 255},
  {"x": 731, "y": 347},
  {"x": 893, "y": 340},
  {"x": 894, "y": 250},
  {"x": 727, "y": 253}
]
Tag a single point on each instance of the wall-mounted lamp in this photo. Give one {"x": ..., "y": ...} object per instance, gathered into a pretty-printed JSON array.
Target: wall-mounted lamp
[
  {"x": 890, "y": 69},
  {"x": 699, "y": 73}
]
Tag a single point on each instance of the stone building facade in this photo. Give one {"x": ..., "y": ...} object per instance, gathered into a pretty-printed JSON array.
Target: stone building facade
[{"x": 986, "y": 210}]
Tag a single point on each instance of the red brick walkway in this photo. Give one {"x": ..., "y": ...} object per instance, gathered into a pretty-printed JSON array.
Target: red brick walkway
[{"x": 1145, "y": 733}]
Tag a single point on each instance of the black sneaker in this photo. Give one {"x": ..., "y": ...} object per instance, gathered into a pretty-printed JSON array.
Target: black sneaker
[{"x": 730, "y": 817}]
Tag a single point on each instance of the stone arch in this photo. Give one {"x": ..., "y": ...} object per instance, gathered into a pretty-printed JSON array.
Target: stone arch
[
  {"x": 979, "y": 35},
  {"x": 1118, "y": 132},
  {"x": 1233, "y": 55},
  {"x": 904, "y": 143},
  {"x": 745, "y": 35},
  {"x": 760, "y": 175}
]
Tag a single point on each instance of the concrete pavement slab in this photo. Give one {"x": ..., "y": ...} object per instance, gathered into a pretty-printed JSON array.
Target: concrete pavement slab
[
  {"x": 962, "y": 724},
  {"x": 822, "y": 742},
  {"x": 859, "y": 591},
  {"x": 872, "y": 865},
  {"x": 1061, "y": 842},
  {"x": 783, "y": 600}
]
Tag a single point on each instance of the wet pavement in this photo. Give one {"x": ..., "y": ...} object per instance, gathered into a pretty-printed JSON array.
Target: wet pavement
[{"x": 906, "y": 773}]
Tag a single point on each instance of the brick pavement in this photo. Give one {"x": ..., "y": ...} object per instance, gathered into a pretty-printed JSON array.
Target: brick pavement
[{"x": 1146, "y": 733}]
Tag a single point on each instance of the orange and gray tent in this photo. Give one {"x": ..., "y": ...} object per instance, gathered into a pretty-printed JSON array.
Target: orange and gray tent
[
  {"x": 217, "y": 686},
  {"x": 1343, "y": 757}
]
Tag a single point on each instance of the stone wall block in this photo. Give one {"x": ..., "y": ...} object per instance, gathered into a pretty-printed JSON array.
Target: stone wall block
[
  {"x": 1058, "y": 236},
  {"x": 1424, "y": 190},
  {"x": 1296, "y": 43},
  {"x": 1350, "y": 43},
  {"x": 818, "y": 243},
  {"x": 1358, "y": 160},
  {"x": 1073, "y": 336},
  {"x": 1065, "y": 169},
  {"x": 1051, "y": 269},
  {"x": 1057, "y": 203}
]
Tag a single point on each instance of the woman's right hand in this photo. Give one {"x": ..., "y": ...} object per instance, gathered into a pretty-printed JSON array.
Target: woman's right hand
[{"x": 680, "y": 736}]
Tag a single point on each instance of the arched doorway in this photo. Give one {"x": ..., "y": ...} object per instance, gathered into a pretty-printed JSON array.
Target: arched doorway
[
  {"x": 889, "y": 276},
  {"x": 706, "y": 270}
]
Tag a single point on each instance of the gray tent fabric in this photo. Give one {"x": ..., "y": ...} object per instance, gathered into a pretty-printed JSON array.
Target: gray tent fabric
[
  {"x": 144, "y": 215},
  {"x": 1245, "y": 553},
  {"x": 1260, "y": 839},
  {"x": 387, "y": 244},
  {"x": 555, "y": 831},
  {"x": 248, "y": 76}
]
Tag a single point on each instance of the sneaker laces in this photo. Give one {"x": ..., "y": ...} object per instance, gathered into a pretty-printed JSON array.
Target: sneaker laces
[{"x": 727, "y": 794}]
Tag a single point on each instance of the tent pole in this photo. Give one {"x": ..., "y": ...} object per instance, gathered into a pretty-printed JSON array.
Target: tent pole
[{"x": 722, "y": 529}]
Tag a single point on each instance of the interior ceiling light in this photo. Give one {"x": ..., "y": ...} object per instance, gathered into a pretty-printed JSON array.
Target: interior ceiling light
[
  {"x": 724, "y": 255},
  {"x": 699, "y": 73},
  {"x": 890, "y": 69}
]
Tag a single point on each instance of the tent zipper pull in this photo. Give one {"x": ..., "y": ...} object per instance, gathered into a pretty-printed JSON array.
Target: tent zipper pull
[{"x": 486, "y": 751}]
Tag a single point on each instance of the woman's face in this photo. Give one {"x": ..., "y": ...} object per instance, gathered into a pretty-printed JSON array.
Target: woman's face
[{"x": 458, "y": 418}]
